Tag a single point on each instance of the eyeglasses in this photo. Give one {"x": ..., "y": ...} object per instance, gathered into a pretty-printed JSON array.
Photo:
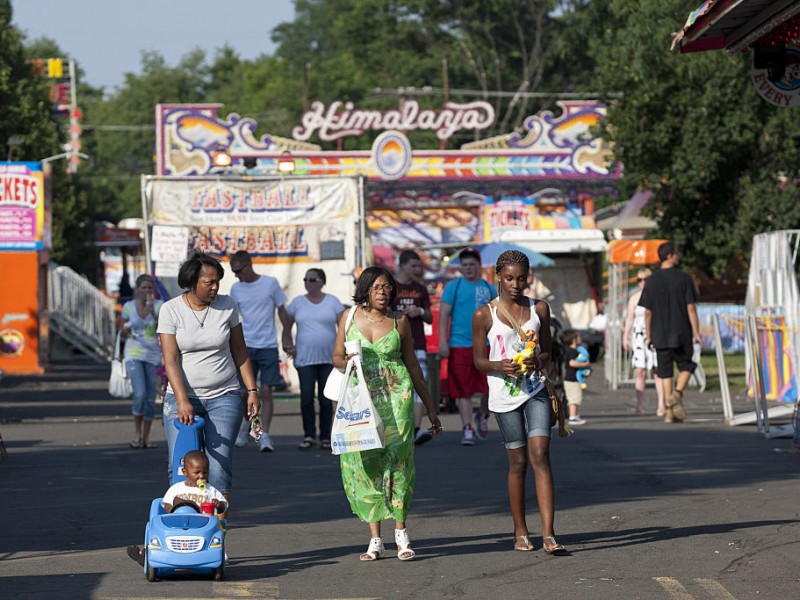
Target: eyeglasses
[
  {"x": 381, "y": 288},
  {"x": 310, "y": 279}
]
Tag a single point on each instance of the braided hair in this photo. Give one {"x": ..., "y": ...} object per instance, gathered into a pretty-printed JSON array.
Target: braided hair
[{"x": 512, "y": 257}]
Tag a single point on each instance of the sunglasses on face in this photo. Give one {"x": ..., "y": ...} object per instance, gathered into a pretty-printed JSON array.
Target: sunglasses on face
[{"x": 310, "y": 279}]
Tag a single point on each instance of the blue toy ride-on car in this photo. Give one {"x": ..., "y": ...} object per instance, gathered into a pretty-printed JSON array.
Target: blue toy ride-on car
[{"x": 184, "y": 539}]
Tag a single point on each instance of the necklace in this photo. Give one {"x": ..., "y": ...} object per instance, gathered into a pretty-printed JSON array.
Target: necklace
[
  {"x": 194, "y": 313},
  {"x": 366, "y": 316}
]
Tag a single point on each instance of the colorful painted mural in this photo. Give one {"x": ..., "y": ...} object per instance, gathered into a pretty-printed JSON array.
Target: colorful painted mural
[{"x": 551, "y": 147}]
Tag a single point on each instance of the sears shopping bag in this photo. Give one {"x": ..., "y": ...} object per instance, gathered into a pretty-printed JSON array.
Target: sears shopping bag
[{"x": 356, "y": 424}]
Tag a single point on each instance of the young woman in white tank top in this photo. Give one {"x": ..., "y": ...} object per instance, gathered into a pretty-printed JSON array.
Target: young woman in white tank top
[{"x": 519, "y": 402}]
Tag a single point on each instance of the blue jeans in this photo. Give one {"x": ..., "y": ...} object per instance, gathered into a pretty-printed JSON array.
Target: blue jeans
[
  {"x": 222, "y": 415},
  {"x": 531, "y": 419},
  {"x": 143, "y": 380},
  {"x": 312, "y": 382}
]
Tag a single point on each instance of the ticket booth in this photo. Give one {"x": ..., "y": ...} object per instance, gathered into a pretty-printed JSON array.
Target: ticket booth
[{"x": 24, "y": 252}]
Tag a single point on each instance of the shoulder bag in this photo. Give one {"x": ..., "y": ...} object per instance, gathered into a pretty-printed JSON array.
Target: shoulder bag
[
  {"x": 119, "y": 385},
  {"x": 335, "y": 380}
]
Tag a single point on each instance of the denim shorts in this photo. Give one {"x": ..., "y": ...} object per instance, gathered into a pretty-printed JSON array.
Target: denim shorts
[
  {"x": 267, "y": 362},
  {"x": 222, "y": 415},
  {"x": 528, "y": 420}
]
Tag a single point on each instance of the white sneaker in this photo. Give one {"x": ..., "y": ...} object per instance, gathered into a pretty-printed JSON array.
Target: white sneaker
[
  {"x": 265, "y": 444},
  {"x": 468, "y": 436},
  {"x": 423, "y": 436},
  {"x": 576, "y": 421}
]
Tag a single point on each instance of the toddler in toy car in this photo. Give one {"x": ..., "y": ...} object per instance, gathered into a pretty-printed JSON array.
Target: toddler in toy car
[{"x": 195, "y": 490}]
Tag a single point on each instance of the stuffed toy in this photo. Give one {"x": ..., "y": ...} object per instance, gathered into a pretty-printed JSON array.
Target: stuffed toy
[
  {"x": 582, "y": 374},
  {"x": 529, "y": 349}
]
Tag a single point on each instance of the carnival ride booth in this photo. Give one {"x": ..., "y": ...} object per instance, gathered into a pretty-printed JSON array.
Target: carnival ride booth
[
  {"x": 287, "y": 226},
  {"x": 25, "y": 242},
  {"x": 771, "y": 327},
  {"x": 538, "y": 184}
]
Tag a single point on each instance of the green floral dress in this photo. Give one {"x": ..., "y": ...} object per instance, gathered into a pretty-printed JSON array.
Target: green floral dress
[{"x": 380, "y": 483}]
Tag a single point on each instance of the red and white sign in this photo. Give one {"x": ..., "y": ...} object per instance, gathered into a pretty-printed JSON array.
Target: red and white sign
[{"x": 21, "y": 206}]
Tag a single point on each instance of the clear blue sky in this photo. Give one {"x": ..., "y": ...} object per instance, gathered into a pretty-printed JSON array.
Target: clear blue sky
[{"x": 107, "y": 37}]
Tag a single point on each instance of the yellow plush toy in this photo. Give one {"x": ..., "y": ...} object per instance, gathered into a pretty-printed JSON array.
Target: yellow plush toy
[{"x": 528, "y": 351}]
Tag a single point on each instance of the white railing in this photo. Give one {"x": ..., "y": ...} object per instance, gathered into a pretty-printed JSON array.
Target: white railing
[{"x": 80, "y": 313}]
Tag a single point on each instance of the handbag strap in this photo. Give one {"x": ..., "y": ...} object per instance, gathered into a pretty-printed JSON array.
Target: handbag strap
[
  {"x": 349, "y": 319},
  {"x": 116, "y": 347},
  {"x": 507, "y": 314}
]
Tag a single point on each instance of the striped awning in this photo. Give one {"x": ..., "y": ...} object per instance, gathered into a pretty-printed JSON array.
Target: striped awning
[{"x": 735, "y": 25}]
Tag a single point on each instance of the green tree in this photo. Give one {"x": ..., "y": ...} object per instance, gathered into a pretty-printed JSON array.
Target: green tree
[
  {"x": 29, "y": 120},
  {"x": 721, "y": 161}
]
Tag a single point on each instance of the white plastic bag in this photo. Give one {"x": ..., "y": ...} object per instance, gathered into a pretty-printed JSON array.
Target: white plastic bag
[
  {"x": 356, "y": 424},
  {"x": 335, "y": 378},
  {"x": 119, "y": 385}
]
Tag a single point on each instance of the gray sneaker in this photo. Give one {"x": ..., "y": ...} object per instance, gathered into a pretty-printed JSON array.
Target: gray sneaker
[
  {"x": 242, "y": 438},
  {"x": 265, "y": 444}
]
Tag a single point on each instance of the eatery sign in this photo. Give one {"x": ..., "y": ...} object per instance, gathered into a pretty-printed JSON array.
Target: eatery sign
[{"x": 343, "y": 119}]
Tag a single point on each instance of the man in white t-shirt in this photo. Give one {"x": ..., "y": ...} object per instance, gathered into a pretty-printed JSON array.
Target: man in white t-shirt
[{"x": 258, "y": 297}]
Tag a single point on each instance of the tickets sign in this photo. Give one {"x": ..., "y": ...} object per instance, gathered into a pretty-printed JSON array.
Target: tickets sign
[{"x": 21, "y": 206}]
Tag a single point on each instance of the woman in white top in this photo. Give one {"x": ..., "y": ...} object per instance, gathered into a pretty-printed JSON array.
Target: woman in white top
[
  {"x": 517, "y": 396},
  {"x": 633, "y": 340},
  {"x": 138, "y": 322},
  {"x": 316, "y": 315}
]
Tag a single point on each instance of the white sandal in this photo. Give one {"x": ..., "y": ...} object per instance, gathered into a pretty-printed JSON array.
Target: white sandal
[
  {"x": 404, "y": 551},
  {"x": 375, "y": 550}
]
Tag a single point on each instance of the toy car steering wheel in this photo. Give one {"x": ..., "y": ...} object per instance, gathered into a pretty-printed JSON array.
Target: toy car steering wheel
[{"x": 186, "y": 504}]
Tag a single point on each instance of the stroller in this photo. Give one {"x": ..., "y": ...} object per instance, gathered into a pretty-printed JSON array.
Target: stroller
[{"x": 184, "y": 539}]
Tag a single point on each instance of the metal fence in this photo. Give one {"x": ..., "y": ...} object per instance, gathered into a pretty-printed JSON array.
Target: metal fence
[{"x": 80, "y": 314}]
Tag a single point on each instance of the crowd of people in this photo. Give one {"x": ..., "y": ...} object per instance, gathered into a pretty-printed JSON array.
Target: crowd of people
[{"x": 221, "y": 360}]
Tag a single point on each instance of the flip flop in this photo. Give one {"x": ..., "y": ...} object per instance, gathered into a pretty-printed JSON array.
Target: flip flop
[
  {"x": 135, "y": 444},
  {"x": 525, "y": 540},
  {"x": 149, "y": 445},
  {"x": 306, "y": 444},
  {"x": 556, "y": 549},
  {"x": 326, "y": 444}
]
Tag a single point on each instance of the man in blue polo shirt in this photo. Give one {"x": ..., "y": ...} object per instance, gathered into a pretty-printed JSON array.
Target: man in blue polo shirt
[{"x": 460, "y": 299}]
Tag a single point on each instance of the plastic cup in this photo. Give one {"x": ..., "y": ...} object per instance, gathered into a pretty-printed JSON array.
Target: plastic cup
[
  {"x": 207, "y": 508},
  {"x": 352, "y": 347}
]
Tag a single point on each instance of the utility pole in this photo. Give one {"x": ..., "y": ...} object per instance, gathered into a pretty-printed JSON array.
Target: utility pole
[{"x": 74, "y": 122}]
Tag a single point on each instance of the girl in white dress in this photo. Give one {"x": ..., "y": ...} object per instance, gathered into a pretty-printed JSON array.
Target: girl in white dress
[{"x": 633, "y": 340}]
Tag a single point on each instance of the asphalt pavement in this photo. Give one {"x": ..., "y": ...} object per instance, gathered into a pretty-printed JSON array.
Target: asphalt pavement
[{"x": 648, "y": 510}]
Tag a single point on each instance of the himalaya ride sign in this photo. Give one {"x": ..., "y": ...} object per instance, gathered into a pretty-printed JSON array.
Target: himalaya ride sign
[
  {"x": 21, "y": 206},
  {"x": 293, "y": 220},
  {"x": 342, "y": 119}
]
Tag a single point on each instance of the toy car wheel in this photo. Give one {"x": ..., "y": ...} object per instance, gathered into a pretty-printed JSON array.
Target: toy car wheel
[
  {"x": 219, "y": 573},
  {"x": 150, "y": 572}
]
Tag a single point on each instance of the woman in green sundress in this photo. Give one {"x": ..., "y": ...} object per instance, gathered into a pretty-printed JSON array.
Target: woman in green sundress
[{"x": 380, "y": 483}]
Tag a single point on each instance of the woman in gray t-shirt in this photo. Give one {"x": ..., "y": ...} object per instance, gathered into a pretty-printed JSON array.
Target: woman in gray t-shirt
[{"x": 204, "y": 349}]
